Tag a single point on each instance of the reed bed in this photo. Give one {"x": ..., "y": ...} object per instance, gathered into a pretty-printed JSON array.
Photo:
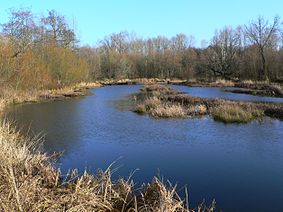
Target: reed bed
[{"x": 10, "y": 96}]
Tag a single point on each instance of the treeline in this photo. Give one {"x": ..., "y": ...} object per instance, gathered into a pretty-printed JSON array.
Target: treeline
[
  {"x": 43, "y": 52},
  {"x": 253, "y": 51}
]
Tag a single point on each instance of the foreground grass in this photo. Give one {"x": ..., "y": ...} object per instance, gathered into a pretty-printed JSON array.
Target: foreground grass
[
  {"x": 163, "y": 102},
  {"x": 29, "y": 181}
]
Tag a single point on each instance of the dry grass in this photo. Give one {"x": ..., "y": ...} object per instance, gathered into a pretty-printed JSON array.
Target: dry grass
[
  {"x": 152, "y": 103},
  {"x": 197, "y": 110},
  {"x": 140, "y": 108},
  {"x": 10, "y": 95},
  {"x": 261, "y": 88},
  {"x": 29, "y": 181},
  {"x": 168, "y": 111},
  {"x": 223, "y": 83},
  {"x": 159, "y": 88},
  {"x": 235, "y": 114},
  {"x": 176, "y": 105}
]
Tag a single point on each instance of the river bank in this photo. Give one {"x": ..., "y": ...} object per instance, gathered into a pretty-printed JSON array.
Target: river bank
[{"x": 10, "y": 96}]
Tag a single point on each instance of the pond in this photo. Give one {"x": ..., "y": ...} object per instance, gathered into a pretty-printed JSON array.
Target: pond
[{"x": 240, "y": 165}]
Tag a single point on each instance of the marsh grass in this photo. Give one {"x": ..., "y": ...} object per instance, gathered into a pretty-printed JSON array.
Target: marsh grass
[
  {"x": 235, "y": 114},
  {"x": 261, "y": 88},
  {"x": 168, "y": 111},
  {"x": 178, "y": 105},
  {"x": 10, "y": 95},
  {"x": 223, "y": 83},
  {"x": 29, "y": 181}
]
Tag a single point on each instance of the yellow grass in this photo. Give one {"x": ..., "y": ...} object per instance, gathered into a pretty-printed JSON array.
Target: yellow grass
[
  {"x": 10, "y": 95},
  {"x": 224, "y": 83},
  {"x": 229, "y": 113},
  {"x": 168, "y": 111}
]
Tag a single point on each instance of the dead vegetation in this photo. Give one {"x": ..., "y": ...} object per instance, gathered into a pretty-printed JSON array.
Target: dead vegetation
[
  {"x": 161, "y": 101},
  {"x": 257, "y": 88},
  {"x": 29, "y": 181},
  {"x": 235, "y": 114},
  {"x": 9, "y": 95}
]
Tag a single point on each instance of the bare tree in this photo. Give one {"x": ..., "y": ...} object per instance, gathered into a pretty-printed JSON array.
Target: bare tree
[
  {"x": 180, "y": 42},
  {"x": 20, "y": 29},
  {"x": 262, "y": 34},
  {"x": 222, "y": 52},
  {"x": 57, "y": 29}
]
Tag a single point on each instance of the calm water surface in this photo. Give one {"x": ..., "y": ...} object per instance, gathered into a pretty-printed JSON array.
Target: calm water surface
[
  {"x": 215, "y": 92},
  {"x": 240, "y": 165}
]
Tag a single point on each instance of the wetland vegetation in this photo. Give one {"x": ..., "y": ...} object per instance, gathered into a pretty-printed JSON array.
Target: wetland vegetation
[
  {"x": 41, "y": 61},
  {"x": 162, "y": 101}
]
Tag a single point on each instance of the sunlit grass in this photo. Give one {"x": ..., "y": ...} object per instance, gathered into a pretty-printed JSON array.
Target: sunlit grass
[
  {"x": 29, "y": 181},
  {"x": 235, "y": 114}
]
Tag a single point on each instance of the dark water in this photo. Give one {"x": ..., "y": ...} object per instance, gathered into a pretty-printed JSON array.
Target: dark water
[
  {"x": 215, "y": 92},
  {"x": 240, "y": 165}
]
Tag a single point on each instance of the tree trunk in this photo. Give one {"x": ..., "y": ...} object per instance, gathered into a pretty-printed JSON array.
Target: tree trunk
[{"x": 262, "y": 73}]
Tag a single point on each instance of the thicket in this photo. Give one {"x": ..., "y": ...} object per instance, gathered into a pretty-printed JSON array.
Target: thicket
[{"x": 44, "y": 52}]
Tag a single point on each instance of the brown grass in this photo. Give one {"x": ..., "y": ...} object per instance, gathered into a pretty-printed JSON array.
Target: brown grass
[
  {"x": 9, "y": 95},
  {"x": 29, "y": 181},
  {"x": 162, "y": 103},
  {"x": 223, "y": 83},
  {"x": 161, "y": 89},
  {"x": 168, "y": 111},
  {"x": 231, "y": 114}
]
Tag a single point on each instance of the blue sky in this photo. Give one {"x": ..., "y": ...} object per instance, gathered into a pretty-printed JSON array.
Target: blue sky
[{"x": 95, "y": 19}]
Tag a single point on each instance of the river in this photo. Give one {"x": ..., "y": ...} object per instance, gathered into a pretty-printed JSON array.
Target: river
[{"x": 239, "y": 165}]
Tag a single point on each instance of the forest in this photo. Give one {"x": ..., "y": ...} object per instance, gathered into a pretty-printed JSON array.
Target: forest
[{"x": 44, "y": 52}]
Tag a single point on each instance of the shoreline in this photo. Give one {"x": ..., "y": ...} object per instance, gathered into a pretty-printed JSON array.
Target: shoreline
[{"x": 81, "y": 89}]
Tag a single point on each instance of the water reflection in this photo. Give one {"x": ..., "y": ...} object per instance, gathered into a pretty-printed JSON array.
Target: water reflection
[{"x": 240, "y": 165}]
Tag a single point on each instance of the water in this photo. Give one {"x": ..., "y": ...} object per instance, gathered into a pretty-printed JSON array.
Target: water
[
  {"x": 216, "y": 92},
  {"x": 240, "y": 165}
]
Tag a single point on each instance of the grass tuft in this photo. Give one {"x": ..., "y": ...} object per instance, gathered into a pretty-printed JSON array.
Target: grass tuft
[
  {"x": 235, "y": 114},
  {"x": 168, "y": 111}
]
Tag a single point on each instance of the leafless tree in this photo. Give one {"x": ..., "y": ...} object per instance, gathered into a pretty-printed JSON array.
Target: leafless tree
[
  {"x": 57, "y": 29},
  {"x": 222, "y": 52},
  {"x": 21, "y": 29},
  {"x": 263, "y": 35}
]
